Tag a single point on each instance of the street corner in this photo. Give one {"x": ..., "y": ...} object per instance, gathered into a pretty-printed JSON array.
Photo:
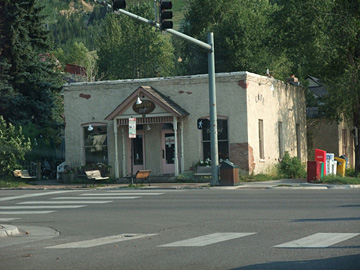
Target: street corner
[{"x": 8, "y": 230}]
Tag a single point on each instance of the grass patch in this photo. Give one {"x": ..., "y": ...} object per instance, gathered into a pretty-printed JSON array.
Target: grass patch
[
  {"x": 339, "y": 180},
  {"x": 12, "y": 184}
]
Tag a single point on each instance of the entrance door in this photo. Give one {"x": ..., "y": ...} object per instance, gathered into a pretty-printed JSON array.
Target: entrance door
[
  {"x": 136, "y": 151},
  {"x": 168, "y": 151}
]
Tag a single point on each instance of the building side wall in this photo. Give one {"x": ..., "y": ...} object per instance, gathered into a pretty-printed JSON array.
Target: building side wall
[
  {"x": 242, "y": 98},
  {"x": 274, "y": 101},
  {"x": 329, "y": 137}
]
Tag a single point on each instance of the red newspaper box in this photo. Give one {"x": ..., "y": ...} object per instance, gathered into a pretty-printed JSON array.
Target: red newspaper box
[
  {"x": 313, "y": 171},
  {"x": 320, "y": 155}
]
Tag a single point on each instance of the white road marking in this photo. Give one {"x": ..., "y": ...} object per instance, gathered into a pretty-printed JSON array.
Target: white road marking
[
  {"x": 120, "y": 194},
  {"x": 40, "y": 207},
  {"x": 206, "y": 240},
  {"x": 63, "y": 202},
  {"x": 95, "y": 198},
  {"x": 318, "y": 240},
  {"x": 34, "y": 195},
  {"x": 8, "y": 219},
  {"x": 144, "y": 190},
  {"x": 25, "y": 212},
  {"x": 102, "y": 241}
]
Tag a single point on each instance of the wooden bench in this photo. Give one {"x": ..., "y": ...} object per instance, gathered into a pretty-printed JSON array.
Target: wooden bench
[
  {"x": 143, "y": 175},
  {"x": 203, "y": 171},
  {"x": 23, "y": 174},
  {"x": 95, "y": 176}
]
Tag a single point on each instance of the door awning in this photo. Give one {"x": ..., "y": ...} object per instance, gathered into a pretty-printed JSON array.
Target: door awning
[{"x": 150, "y": 93}]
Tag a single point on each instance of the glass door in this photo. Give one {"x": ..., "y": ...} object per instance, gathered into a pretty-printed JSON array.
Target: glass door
[{"x": 168, "y": 151}]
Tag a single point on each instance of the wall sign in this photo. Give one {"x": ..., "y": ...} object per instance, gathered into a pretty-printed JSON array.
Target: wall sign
[
  {"x": 145, "y": 107},
  {"x": 132, "y": 127}
]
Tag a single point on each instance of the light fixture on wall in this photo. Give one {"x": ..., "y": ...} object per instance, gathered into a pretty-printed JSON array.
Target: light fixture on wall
[
  {"x": 138, "y": 101},
  {"x": 90, "y": 128},
  {"x": 148, "y": 128}
]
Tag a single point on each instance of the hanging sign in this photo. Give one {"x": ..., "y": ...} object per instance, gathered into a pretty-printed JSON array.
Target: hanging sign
[
  {"x": 132, "y": 127},
  {"x": 145, "y": 107}
]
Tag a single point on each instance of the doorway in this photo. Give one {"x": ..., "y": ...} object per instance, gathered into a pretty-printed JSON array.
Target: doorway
[
  {"x": 168, "y": 151},
  {"x": 136, "y": 153}
]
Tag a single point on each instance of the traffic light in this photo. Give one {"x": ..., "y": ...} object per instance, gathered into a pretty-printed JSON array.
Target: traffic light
[
  {"x": 165, "y": 14},
  {"x": 118, "y": 4}
]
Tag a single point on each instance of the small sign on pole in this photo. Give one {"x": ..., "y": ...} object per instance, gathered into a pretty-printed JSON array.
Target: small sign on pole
[{"x": 132, "y": 127}]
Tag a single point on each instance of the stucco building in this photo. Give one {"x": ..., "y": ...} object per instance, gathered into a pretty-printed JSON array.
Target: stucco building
[
  {"x": 332, "y": 137},
  {"x": 259, "y": 118}
]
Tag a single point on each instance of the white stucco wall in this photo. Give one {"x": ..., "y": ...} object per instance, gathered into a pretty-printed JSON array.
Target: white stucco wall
[{"x": 93, "y": 102}]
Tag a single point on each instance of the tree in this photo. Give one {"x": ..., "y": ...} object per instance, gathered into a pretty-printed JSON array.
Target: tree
[
  {"x": 130, "y": 49},
  {"x": 29, "y": 81},
  {"x": 13, "y": 147},
  {"x": 25, "y": 65},
  {"x": 322, "y": 38},
  {"x": 242, "y": 36}
]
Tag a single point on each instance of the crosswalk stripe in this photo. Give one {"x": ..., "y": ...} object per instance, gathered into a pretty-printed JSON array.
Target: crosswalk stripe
[
  {"x": 95, "y": 198},
  {"x": 40, "y": 207},
  {"x": 7, "y": 219},
  {"x": 25, "y": 212},
  {"x": 34, "y": 195},
  {"x": 318, "y": 240},
  {"x": 206, "y": 240},
  {"x": 63, "y": 202},
  {"x": 102, "y": 241},
  {"x": 121, "y": 194}
]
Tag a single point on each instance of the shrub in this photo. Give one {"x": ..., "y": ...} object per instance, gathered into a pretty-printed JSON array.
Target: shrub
[
  {"x": 291, "y": 167},
  {"x": 350, "y": 172},
  {"x": 185, "y": 177},
  {"x": 13, "y": 147}
]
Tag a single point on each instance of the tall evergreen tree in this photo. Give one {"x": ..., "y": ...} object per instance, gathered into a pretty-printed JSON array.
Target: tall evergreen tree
[{"x": 24, "y": 64}]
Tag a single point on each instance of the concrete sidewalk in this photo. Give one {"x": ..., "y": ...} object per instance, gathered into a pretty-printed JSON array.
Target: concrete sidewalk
[{"x": 283, "y": 183}]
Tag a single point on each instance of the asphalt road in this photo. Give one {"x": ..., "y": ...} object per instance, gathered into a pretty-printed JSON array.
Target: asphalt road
[{"x": 186, "y": 229}]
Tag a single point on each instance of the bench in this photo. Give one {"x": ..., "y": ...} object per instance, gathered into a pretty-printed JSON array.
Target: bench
[
  {"x": 95, "y": 176},
  {"x": 143, "y": 175},
  {"x": 23, "y": 174},
  {"x": 203, "y": 171}
]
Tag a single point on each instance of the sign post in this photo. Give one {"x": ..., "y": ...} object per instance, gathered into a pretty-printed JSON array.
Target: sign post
[{"x": 132, "y": 135}]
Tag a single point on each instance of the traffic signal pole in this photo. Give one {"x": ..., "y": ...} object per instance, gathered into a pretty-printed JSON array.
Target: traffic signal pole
[{"x": 209, "y": 47}]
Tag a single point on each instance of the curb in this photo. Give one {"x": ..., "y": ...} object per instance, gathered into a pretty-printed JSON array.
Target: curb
[{"x": 8, "y": 230}]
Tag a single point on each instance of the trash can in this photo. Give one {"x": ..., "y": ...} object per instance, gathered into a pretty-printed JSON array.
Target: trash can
[
  {"x": 340, "y": 169},
  {"x": 314, "y": 171},
  {"x": 229, "y": 174}
]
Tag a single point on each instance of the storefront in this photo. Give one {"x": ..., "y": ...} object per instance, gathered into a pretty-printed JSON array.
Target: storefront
[{"x": 162, "y": 124}]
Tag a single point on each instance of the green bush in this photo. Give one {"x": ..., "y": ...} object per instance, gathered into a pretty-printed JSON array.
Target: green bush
[
  {"x": 291, "y": 167},
  {"x": 185, "y": 177},
  {"x": 350, "y": 172},
  {"x": 13, "y": 147}
]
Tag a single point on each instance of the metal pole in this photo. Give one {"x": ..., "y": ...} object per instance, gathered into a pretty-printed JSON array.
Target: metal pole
[
  {"x": 132, "y": 161},
  {"x": 213, "y": 113},
  {"x": 212, "y": 89}
]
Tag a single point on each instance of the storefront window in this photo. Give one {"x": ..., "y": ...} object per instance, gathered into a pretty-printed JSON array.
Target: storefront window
[
  {"x": 96, "y": 150},
  {"x": 223, "y": 142}
]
